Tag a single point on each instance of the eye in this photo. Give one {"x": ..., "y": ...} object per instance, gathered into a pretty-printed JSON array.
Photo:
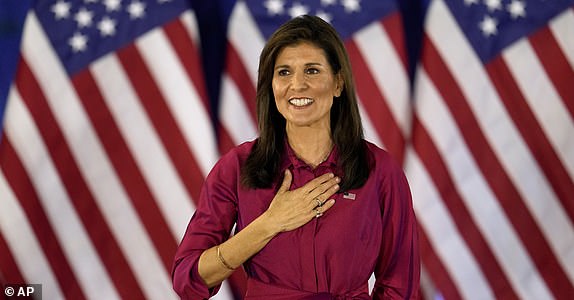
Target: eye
[
  {"x": 283, "y": 72},
  {"x": 312, "y": 71}
]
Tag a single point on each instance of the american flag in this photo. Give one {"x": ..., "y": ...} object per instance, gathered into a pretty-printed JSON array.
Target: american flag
[
  {"x": 107, "y": 139},
  {"x": 492, "y": 161}
]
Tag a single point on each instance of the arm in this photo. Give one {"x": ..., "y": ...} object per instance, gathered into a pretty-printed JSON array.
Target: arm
[
  {"x": 198, "y": 271},
  {"x": 398, "y": 267}
]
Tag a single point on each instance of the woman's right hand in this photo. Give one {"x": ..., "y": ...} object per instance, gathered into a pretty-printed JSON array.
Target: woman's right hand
[{"x": 292, "y": 209}]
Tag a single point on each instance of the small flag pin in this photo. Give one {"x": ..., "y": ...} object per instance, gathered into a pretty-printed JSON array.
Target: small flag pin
[{"x": 349, "y": 196}]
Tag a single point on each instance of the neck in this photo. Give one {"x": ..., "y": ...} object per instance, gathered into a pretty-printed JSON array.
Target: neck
[{"x": 312, "y": 145}]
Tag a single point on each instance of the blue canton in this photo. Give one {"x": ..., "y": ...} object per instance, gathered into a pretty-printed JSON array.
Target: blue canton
[
  {"x": 347, "y": 16},
  {"x": 492, "y": 25},
  {"x": 81, "y": 31}
]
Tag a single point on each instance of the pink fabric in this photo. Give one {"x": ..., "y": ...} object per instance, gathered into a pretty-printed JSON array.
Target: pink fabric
[{"x": 371, "y": 229}]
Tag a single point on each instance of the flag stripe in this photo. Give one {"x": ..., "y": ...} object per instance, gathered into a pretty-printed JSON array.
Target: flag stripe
[
  {"x": 555, "y": 64},
  {"x": 181, "y": 98},
  {"x": 76, "y": 186},
  {"x": 125, "y": 167},
  {"x": 162, "y": 119},
  {"x": 238, "y": 72},
  {"x": 375, "y": 104},
  {"x": 80, "y": 252},
  {"x": 30, "y": 204},
  {"x": 139, "y": 133},
  {"x": 35, "y": 266},
  {"x": 437, "y": 231},
  {"x": 464, "y": 221},
  {"x": 10, "y": 271},
  {"x": 91, "y": 166},
  {"x": 563, "y": 30},
  {"x": 495, "y": 173},
  {"x": 472, "y": 190},
  {"x": 532, "y": 134}
]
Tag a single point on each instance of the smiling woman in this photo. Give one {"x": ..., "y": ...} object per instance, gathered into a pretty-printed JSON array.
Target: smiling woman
[{"x": 317, "y": 208}]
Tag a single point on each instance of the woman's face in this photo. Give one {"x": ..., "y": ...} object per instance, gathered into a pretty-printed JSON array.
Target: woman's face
[{"x": 304, "y": 86}]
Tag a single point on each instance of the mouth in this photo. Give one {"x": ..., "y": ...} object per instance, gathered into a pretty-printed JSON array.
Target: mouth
[{"x": 301, "y": 102}]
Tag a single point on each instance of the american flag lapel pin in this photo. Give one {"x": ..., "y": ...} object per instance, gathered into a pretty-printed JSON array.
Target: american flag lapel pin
[{"x": 350, "y": 196}]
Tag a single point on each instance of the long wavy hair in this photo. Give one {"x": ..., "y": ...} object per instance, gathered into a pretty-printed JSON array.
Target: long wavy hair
[{"x": 261, "y": 168}]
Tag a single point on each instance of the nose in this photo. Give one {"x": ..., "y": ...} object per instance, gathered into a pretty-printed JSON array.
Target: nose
[{"x": 298, "y": 81}]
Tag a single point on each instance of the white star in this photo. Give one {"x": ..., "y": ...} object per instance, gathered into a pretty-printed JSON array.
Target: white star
[
  {"x": 516, "y": 9},
  {"x": 488, "y": 26},
  {"x": 112, "y": 5},
  {"x": 325, "y": 16},
  {"x": 136, "y": 9},
  {"x": 493, "y": 4},
  {"x": 351, "y": 5},
  {"x": 470, "y": 2},
  {"x": 61, "y": 9},
  {"x": 297, "y": 10},
  {"x": 84, "y": 17},
  {"x": 328, "y": 2},
  {"x": 107, "y": 26},
  {"x": 78, "y": 42},
  {"x": 274, "y": 7}
]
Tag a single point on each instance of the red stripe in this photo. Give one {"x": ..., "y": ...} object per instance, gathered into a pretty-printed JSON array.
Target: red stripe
[
  {"x": 165, "y": 125},
  {"x": 440, "y": 276},
  {"x": 189, "y": 57},
  {"x": 9, "y": 271},
  {"x": 126, "y": 167},
  {"x": 235, "y": 67},
  {"x": 25, "y": 192},
  {"x": 532, "y": 134},
  {"x": 73, "y": 180},
  {"x": 495, "y": 175},
  {"x": 556, "y": 65},
  {"x": 393, "y": 25},
  {"x": 466, "y": 227},
  {"x": 376, "y": 105}
]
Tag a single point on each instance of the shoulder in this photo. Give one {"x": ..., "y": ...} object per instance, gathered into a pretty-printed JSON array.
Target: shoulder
[{"x": 381, "y": 160}]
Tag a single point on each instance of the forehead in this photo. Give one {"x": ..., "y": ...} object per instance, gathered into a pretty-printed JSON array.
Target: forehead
[{"x": 305, "y": 52}]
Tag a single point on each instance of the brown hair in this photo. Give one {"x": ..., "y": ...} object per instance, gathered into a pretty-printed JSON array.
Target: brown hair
[{"x": 261, "y": 168}]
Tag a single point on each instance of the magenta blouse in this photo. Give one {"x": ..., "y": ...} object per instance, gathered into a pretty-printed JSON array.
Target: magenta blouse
[{"x": 369, "y": 229}]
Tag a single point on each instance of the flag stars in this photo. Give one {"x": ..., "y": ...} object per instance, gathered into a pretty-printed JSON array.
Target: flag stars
[
  {"x": 136, "y": 10},
  {"x": 351, "y": 5},
  {"x": 274, "y": 7},
  {"x": 325, "y": 16},
  {"x": 517, "y": 9},
  {"x": 297, "y": 10},
  {"x": 84, "y": 17},
  {"x": 493, "y": 4},
  {"x": 328, "y": 2},
  {"x": 61, "y": 9},
  {"x": 488, "y": 26},
  {"x": 112, "y": 5},
  {"x": 78, "y": 42},
  {"x": 107, "y": 27},
  {"x": 470, "y": 2}
]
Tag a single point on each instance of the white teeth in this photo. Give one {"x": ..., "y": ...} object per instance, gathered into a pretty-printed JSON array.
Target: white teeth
[{"x": 301, "y": 101}]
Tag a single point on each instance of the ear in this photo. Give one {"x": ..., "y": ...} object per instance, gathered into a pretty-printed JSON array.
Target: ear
[{"x": 339, "y": 84}]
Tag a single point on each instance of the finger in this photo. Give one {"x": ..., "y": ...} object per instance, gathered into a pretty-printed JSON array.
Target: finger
[
  {"x": 325, "y": 190},
  {"x": 327, "y": 205},
  {"x": 286, "y": 182},
  {"x": 311, "y": 185}
]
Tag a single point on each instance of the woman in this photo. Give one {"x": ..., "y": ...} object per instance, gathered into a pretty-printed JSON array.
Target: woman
[{"x": 317, "y": 209}]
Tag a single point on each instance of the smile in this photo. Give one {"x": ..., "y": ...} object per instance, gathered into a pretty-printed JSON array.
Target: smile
[{"x": 299, "y": 102}]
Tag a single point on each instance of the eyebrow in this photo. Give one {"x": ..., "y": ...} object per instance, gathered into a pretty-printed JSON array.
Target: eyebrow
[{"x": 306, "y": 65}]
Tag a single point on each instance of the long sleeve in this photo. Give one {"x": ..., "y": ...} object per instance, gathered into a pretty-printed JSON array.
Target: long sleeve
[
  {"x": 398, "y": 267},
  {"x": 210, "y": 225}
]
